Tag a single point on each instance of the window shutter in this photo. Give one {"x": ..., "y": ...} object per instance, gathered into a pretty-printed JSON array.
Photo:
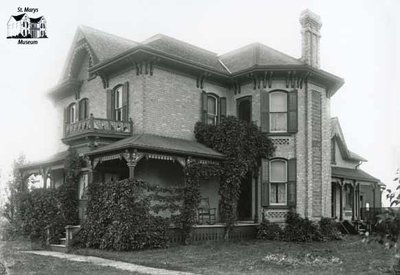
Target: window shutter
[
  {"x": 125, "y": 101},
  {"x": 222, "y": 108},
  {"x": 77, "y": 112},
  {"x": 110, "y": 104},
  {"x": 204, "y": 107},
  {"x": 86, "y": 103},
  {"x": 264, "y": 111},
  {"x": 264, "y": 182},
  {"x": 291, "y": 188},
  {"x": 66, "y": 115},
  {"x": 292, "y": 111}
]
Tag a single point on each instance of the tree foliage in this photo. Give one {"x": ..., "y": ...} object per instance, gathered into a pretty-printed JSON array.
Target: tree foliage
[{"x": 244, "y": 146}]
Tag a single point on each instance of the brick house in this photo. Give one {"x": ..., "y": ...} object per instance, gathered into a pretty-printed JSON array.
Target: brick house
[{"x": 129, "y": 109}]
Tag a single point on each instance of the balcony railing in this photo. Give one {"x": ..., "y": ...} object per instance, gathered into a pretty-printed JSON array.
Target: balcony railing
[{"x": 98, "y": 125}]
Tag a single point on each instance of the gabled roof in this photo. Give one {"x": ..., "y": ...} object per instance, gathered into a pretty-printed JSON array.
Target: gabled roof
[
  {"x": 184, "y": 50},
  {"x": 356, "y": 174},
  {"x": 256, "y": 54},
  {"x": 105, "y": 45},
  {"x": 36, "y": 20},
  {"x": 160, "y": 144},
  {"x": 337, "y": 133},
  {"x": 18, "y": 17}
]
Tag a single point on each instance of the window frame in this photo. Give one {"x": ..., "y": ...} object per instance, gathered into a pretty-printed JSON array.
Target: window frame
[
  {"x": 85, "y": 111},
  {"x": 278, "y": 182},
  {"x": 118, "y": 90},
  {"x": 240, "y": 100},
  {"x": 215, "y": 117},
  {"x": 72, "y": 114},
  {"x": 271, "y": 113}
]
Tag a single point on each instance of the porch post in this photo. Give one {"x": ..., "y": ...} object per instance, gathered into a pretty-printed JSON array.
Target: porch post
[
  {"x": 132, "y": 158},
  {"x": 353, "y": 208},
  {"x": 256, "y": 197},
  {"x": 341, "y": 200},
  {"x": 333, "y": 199},
  {"x": 131, "y": 166}
]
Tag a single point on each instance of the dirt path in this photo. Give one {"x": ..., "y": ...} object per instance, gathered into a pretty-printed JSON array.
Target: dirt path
[{"x": 109, "y": 263}]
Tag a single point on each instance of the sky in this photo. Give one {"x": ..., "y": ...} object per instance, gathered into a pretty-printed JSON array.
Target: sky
[{"x": 360, "y": 42}]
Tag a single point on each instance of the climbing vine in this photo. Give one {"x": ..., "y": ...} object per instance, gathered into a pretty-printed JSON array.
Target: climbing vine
[
  {"x": 194, "y": 172},
  {"x": 244, "y": 146}
]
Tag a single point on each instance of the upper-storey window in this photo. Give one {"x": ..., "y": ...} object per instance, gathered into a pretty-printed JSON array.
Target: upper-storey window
[
  {"x": 244, "y": 108},
  {"x": 278, "y": 112},
  {"x": 278, "y": 182},
  {"x": 213, "y": 108},
  {"x": 83, "y": 109},
  {"x": 72, "y": 113},
  {"x": 118, "y": 103}
]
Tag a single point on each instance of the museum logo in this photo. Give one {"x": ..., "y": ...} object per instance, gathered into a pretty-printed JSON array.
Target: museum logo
[{"x": 26, "y": 27}]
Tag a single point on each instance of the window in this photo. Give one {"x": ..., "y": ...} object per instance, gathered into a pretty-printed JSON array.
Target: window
[
  {"x": 333, "y": 151},
  {"x": 83, "y": 109},
  {"x": 72, "y": 113},
  {"x": 278, "y": 182},
  {"x": 278, "y": 111},
  {"x": 244, "y": 108},
  {"x": 212, "y": 112},
  {"x": 118, "y": 103}
]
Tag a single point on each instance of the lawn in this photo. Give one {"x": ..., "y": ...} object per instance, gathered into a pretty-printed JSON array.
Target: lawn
[
  {"x": 17, "y": 262},
  {"x": 349, "y": 256}
]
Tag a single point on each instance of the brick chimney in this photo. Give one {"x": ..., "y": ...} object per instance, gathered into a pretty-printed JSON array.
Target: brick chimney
[{"x": 310, "y": 36}]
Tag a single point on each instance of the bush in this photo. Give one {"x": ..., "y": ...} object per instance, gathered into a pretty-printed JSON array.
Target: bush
[
  {"x": 329, "y": 229},
  {"x": 119, "y": 218},
  {"x": 269, "y": 231},
  {"x": 299, "y": 229}
]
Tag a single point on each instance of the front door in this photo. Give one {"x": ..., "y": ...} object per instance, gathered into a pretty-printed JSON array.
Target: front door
[{"x": 245, "y": 199}]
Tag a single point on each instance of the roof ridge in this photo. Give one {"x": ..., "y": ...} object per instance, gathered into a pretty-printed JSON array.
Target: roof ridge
[{"x": 160, "y": 35}]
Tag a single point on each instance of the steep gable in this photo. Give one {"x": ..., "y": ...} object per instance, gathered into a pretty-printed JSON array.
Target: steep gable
[{"x": 337, "y": 135}]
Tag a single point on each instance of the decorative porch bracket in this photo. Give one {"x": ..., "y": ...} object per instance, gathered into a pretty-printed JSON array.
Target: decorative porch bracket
[{"x": 132, "y": 159}]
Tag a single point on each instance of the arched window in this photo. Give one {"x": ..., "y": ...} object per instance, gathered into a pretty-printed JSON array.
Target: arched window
[
  {"x": 83, "y": 109},
  {"x": 244, "y": 108},
  {"x": 72, "y": 113},
  {"x": 212, "y": 109},
  {"x": 278, "y": 182},
  {"x": 278, "y": 112},
  {"x": 118, "y": 104}
]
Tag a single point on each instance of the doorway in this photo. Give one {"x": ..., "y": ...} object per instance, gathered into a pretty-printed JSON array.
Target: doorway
[
  {"x": 244, "y": 108},
  {"x": 244, "y": 205}
]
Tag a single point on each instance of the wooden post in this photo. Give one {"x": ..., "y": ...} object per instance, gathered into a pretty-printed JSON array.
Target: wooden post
[
  {"x": 256, "y": 197},
  {"x": 341, "y": 200},
  {"x": 131, "y": 166},
  {"x": 333, "y": 199},
  {"x": 353, "y": 212}
]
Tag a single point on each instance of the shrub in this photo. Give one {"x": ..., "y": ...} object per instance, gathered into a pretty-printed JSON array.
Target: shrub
[
  {"x": 329, "y": 229},
  {"x": 269, "y": 231},
  {"x": 119, "y": 218},
  {"x": 300, "y": 229}
]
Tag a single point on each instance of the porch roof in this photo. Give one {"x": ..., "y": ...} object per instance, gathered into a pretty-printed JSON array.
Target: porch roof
[
  {"x": 52, "y": 160},
  {"x": 356, "y": 174},
  {"x": 160, "y": 144}
]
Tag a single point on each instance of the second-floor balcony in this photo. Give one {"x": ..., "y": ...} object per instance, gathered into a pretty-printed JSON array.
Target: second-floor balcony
[{"x": 97, "y": 127}]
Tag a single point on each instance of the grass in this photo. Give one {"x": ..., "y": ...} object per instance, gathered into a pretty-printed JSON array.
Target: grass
[
  {"x": 17, "y": 262},
  {"x": 246, "y": 257}
]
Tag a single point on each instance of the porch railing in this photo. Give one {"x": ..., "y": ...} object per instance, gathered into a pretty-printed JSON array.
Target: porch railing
[{"x": 98, "y": 125}]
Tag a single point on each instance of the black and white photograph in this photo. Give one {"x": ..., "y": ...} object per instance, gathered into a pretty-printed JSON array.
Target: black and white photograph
[{"x": 200, "y": 137}]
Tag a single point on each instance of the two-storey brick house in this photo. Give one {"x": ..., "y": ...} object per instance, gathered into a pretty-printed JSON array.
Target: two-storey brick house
[{"x": 130, "y": 108}]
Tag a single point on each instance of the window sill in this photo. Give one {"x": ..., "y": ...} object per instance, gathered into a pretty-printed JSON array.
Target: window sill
[
  {"x": 279, "y": 134},
  {"x": 276, "y": 206}
]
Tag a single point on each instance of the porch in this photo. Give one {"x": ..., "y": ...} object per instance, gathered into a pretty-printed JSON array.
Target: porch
[{"x": 353, "y": 191}]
